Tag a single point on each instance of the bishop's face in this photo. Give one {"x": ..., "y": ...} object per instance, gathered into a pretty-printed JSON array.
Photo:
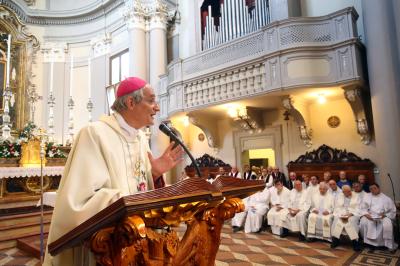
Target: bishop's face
[{"x": 143, "y": 112}]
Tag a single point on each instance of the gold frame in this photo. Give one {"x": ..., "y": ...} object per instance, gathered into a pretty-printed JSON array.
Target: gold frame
[{"x": 25, "y": 46}]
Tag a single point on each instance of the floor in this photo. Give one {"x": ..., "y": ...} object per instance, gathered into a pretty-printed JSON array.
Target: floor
[{"x": 264, "y": 249}]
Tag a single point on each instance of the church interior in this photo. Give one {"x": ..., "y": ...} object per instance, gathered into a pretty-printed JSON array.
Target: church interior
[{"x": 302, "y": 86}]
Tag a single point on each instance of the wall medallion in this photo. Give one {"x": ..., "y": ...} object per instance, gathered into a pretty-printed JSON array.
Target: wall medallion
[
  {"x": 333, "y": 121},
  {"x": 201, "y": 137}
]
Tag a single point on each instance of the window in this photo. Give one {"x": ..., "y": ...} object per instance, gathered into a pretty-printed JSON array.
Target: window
[
  {"x": 119, "y": 70},
  {"x": 119, "y": 67}
]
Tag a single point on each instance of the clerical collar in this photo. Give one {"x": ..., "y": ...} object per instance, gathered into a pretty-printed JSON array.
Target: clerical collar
[{"x": 127, "y": 129}]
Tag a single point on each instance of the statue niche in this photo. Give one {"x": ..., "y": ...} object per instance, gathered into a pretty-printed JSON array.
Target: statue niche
[{"x": 23, "y": 51}]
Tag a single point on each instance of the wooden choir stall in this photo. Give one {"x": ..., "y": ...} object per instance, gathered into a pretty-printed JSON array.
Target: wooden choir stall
[{"x": 139, "y": 229}]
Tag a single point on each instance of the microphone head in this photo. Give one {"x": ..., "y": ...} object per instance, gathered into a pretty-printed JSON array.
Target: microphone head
[{"x": 165, "y": 129}]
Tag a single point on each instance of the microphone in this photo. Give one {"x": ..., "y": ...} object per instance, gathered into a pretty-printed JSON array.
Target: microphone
[{"x": 167, "y": 131}]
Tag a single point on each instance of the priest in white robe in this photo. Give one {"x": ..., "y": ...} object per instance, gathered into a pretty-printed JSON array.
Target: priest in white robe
[
  {"x": 321, "y": 215},
  {"x": 313, "y": 187},
  {"x": 346, "y": 218},
  {"x": 298, "y": 207},
  {"x": 358, "y": 189},
  {"x": 109, "y": 159},
  {"x": 279, "y": 207},
  {"x": 378, "y": 214},
  {"x": 334, "y": 190},
  {"x": 255, "y": 207}
]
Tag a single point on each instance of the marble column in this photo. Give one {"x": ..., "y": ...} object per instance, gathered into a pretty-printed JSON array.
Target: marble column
[
  {"x": 134, "y": 16},
  {"x": 158, "y": 41},
  {"x": 383, "y": 69}
]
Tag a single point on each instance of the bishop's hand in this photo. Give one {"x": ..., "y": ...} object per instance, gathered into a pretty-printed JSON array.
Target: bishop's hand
[{"x": 168, "y": 160}]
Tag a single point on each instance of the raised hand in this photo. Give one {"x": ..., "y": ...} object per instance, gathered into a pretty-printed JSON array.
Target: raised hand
[{"x": 168, "y": 160}]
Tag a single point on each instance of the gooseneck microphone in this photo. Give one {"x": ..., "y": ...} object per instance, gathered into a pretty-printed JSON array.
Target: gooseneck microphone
[{"x": 167, "y": 131}]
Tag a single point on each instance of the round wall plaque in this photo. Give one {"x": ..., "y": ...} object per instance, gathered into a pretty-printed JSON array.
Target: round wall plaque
[
  {"x": 333, "y": 121},
  {"x": 201, "y": 137}
]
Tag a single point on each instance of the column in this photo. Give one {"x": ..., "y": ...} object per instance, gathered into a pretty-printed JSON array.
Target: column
[
  {"x": 134, "y": 16},
  {"x": 383, "y": 70},
  {"x": 158, "y": 41}
]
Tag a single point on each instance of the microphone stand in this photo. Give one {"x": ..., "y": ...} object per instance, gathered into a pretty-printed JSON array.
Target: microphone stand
[
  {"x": 167, "y": 131},
  {"x": 394, "y": 199}
]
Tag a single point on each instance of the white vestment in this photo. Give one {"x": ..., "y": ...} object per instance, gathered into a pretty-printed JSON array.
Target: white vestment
[
  {"x": 360, "y": 195},
  {"x": 319, "y": 225},
  {"x": 298, "y": 201},
  {"x": 312, "y": 190},
  {"x": 335, "y": 194},
  {"x": 104, "y": 164},
  {"x": 255, "y": 208},
  {"x": 343, "y": 207},
  {"x": 275, "y": 217},
  {"x": 378, "y": 232}
]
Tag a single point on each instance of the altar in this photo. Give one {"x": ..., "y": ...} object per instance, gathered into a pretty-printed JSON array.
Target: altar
[{"x": 26, "y": 180}]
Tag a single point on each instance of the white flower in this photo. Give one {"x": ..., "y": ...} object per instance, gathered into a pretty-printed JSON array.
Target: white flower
[
  {"x": 51, "y": 154},
  {"x": 16, "y": 153}
]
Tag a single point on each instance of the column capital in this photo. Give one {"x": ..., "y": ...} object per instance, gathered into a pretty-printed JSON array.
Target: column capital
[
  {"x": 135, "y": 15},
  {"x": 158, "y": 15},
  {"x": 54, "y": 51},
  {"x": 101, "y": 45}
]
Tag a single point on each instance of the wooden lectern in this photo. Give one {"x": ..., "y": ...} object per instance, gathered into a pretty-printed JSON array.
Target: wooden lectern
[{"x": 138, "y": 229}]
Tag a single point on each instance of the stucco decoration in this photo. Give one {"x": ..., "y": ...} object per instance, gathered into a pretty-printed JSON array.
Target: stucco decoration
[
  {"x": 305, "y": 133},
  {"x": 356, "y": 97},
  {"x": 209, "y": 127}
]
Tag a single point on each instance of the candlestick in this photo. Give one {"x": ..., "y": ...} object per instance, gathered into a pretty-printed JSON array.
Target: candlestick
[
  {"x": 89, "y": 78},
  {"x": 8, "y": 60},
  {"x": 51, "y": 75},
  {"x": 71, "y": 76}
]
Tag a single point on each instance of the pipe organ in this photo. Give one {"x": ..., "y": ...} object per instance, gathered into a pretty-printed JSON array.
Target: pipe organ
[{"x": 225, "y": 20}]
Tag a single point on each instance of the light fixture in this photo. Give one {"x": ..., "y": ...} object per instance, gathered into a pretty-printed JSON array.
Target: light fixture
[
  {"x": 185, "y": 121},
  {"x": 232, "y": 112},
  {"x": 321, "y": 98}
]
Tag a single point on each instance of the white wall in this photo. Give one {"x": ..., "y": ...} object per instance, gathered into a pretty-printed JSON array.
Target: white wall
[{"x": 313, "y": 8}]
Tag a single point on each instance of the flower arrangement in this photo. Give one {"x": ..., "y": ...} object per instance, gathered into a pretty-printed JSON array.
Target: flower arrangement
[
  {"x": 29, "y": 132},
  {"x": 53, "y": 151},
  {"x": 9, "y": 149}
]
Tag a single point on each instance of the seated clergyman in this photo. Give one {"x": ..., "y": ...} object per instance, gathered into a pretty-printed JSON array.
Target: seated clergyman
[
  {"x": 298, "y": 207},
  {"x": 279, "y": 207},
  {"x": 313, "y": 187},
  {"x": 334, "y": 190},
  {"x": 346, "y": 217},
  {"x": 256, "y": 206},
  {"x": 378, "y": 213},
  {"x": 320, "y": 218}
]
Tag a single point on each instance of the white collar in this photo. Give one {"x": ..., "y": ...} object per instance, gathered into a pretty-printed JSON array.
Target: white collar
[{"x": 127, "y": 129}]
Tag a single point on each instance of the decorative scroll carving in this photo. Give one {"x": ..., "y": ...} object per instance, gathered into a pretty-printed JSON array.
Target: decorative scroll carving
[
  {"x": 134, "y": 242},
  {"x": 326, "y": 154},
  {"x": 209, "y": 127},
  {"x": 208, "y": 161},
  {"x": 355, "y": 98},
  {"x": 305, "y": 134},
  {"x": 134, "y": 15}
]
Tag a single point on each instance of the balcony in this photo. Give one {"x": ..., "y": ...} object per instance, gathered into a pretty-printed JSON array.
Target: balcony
[{"x": 293, "y": 53}]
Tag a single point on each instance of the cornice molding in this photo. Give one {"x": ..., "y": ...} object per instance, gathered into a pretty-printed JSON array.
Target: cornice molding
[{"x": 47, "y": 18}]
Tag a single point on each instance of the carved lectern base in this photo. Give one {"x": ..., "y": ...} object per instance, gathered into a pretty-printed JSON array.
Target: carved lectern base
[{"x": 135, "y": 242}]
